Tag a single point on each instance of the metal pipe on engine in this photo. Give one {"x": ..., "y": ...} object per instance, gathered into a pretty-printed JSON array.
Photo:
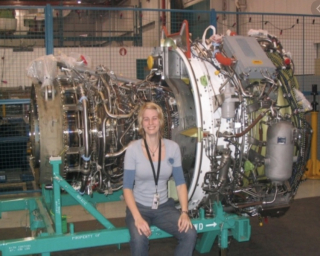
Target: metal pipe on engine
[
  {"x": 274, "y": 198},
  {"x": 247, "y": 129},
  {"x": 86, "y": 156},
  {"x": 126, "y": 131},
  {"x": 117, "y": 116},
  {"x": 251, "y": 125},
  {"x": 117, "y": 153},
  {"x": 104, "y": 141},
  {"x": 106, "y": 85},
  {"x": 246, "y": 205},
  {"x": 84, "y": 102},
  {"x": 239, "y": 85},
  {"x": 225, "y": 164},
  {"x": 126, "y": 79}
]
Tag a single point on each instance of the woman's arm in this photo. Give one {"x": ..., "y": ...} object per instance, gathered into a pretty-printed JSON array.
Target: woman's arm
[
  {"x": 140, "y": 223},
  {"x": 183, "y": 196},
  {"x": 184, "y": 222}
]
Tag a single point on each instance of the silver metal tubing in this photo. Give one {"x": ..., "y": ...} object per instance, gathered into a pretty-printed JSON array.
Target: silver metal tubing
[
  {"x": 104, "y": 142},
  {"x": 116, "y": 153},
  {"x": 126, "y": 79},
  {"x": 125, "y": 132},
  {"x": 274, "y": 198},
  {"x": 106, "y": 85},
  {"x": 100, "y": 176},
  {"x": 240, "y": 86},
  {"x": 85, "y": 123},
  {"x": 117, "y": 116}
]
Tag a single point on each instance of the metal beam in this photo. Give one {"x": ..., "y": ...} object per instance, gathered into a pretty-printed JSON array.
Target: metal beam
[{"x": 211, "y": 227}]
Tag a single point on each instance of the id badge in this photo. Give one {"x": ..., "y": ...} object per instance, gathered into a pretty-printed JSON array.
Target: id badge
[{"x": 156, "y": 201}]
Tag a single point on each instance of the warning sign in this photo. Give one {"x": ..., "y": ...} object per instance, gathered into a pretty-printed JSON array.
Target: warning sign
[{"x": 123, "y": 51}]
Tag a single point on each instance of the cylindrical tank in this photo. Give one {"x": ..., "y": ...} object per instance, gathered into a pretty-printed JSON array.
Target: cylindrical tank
[
  {"x": 279, "y": 151},
  {"x": 228, "y": 108}
]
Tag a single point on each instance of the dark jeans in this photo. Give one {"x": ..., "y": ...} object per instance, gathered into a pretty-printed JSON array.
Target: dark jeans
[{"x": 166, "y": 218}]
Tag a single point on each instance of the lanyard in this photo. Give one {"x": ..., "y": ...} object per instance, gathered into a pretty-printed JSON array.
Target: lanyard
[{"x": 156, "y": 178}]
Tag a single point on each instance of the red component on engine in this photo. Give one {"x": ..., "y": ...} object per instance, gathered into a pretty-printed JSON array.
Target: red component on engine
[
  {"x": 224, "y": 60},
  {"x": 287, "y": 61},
  {"x": 84, "y": 60}
]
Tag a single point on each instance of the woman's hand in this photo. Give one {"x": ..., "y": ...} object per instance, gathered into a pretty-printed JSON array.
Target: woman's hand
[
  {"x": 184, "y": 223},
  {"x": 143, "y": 227}
]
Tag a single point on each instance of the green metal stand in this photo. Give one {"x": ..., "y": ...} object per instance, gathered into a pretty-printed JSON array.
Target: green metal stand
[{"x": 54, "y": 239}]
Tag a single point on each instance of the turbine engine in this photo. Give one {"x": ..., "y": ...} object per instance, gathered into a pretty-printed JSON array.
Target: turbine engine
[{"x": 232, "y": 103}]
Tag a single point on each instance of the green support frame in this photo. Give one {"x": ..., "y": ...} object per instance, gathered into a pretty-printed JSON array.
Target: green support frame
[{"x": 45, "y": 210}]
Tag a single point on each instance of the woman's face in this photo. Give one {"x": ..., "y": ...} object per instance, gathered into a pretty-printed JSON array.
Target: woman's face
[{"x": 150, "y": 122}]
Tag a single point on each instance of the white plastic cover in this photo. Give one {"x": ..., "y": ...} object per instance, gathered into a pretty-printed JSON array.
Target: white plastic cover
[{"x": 43, "y": 70}]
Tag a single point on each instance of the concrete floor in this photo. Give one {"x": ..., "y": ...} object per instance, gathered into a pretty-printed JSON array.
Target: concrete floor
[{"x": 308, "y": 188}]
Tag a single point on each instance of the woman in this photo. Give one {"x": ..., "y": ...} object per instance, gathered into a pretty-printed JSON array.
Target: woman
[{"x": 148, "y": 165}]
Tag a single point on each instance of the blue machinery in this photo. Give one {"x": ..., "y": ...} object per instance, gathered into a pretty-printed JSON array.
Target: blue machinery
[{"x": 54, "y": 237}]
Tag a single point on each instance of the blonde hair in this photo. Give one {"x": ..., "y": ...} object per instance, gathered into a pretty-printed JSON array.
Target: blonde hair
[{"x": 150, "y": 105}]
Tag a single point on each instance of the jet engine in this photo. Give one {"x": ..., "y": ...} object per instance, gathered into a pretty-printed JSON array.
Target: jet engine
[{"x": 230, "y": 102}]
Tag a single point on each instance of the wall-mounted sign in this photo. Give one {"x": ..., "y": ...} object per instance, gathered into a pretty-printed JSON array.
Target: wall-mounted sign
[{"x": 123, "y": 51}]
